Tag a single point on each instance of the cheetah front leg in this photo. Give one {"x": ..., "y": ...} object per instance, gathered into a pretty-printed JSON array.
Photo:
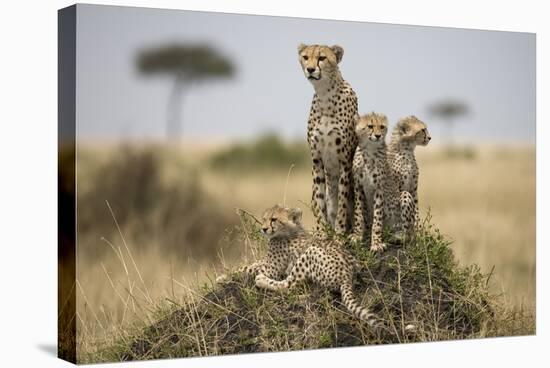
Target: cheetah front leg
[
  {"x": 377, "y": 245},
  {"x": 297, "y": 274},
  {"x": 332, "y": 198},
  {"x": 345, "y": 196},
  {"x": 260, "y": 268},
  {"x": 318, "y": 200},
  {"x": 404, "y": 186},
  {"x": 359, "y": 219},
  {"x": 407, "y": 213},
  {"x": 415, "y": 204},
  {"x": 254, "y": 269}
]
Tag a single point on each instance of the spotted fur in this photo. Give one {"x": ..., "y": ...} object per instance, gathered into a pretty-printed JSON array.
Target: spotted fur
[
  {"x": 294, "y": 256},
  {"x": 287, "y": 240},
  {"x": 407, "y": 134},
  {"x": 378, "y": 200},
  {"x": 330, "y": 135}
]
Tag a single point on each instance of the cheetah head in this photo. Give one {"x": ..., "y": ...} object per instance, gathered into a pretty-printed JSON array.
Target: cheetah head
[
  {"x": 413, "y": 130},
  {"x": 319, "y": 62},
  {"x": 371, "y": 129},
  {"x": 279, "y": 221}
]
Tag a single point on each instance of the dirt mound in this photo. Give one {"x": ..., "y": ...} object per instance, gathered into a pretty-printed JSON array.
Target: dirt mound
[{"x": 418, "y": 291}]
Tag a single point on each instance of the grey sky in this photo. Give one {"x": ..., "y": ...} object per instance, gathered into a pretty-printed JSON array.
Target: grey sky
[{"x": 397, "y": 70}]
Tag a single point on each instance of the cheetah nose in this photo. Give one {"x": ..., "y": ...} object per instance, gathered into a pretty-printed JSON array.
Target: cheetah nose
[
  {"x": 310, "y": 70},
  {"x": 378, "y": 136},
  {"x": 429, "y": 138},
  {"x": 264, "y": 229}
]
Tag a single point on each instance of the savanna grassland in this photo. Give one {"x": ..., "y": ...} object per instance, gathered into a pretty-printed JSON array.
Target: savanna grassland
[{"x": 157, "y": 225}]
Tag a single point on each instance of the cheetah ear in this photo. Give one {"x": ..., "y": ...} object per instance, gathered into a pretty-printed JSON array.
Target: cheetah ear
[
  {"x": 278, "y": 206},
  {"x": 296, "y": 215},
  {"x": 338, "y": 51},
  {"x": 301, "y": 47}
]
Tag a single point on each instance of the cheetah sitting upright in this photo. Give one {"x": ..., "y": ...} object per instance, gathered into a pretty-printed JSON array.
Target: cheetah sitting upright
[
  {"x": 407, "y": 134},
  {"x": 330, "y": 135},
  {"x": 293, "y": 256},
  {"x": 377, "y": 197}
]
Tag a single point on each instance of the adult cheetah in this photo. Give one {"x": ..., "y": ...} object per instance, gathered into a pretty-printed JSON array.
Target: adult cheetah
[
  {"x": 294, "y": 256},
  {"x": 407, "y": 134},
  {"x": 330, "y": 135},
  {"x": 378, "y": 200}
]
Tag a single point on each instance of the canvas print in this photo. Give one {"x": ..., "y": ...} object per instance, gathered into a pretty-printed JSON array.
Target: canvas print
[{"x": 235, "y": 184}]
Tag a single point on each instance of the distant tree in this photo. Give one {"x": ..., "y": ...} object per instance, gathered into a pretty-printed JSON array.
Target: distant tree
[
  {"x": 188, "y": 65},
  {"x": 447, "y": 111}
]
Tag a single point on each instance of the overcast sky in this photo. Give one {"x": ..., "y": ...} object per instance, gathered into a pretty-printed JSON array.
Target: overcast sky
[{"x": 396, "y": 70}]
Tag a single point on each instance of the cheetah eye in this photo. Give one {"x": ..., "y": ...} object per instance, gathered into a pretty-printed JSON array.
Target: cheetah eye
[
  {"x": 305, "y": 57},
  {"x": 321, "y": 58},
  {"x": 370, "y": 126},
  {"x": 273, "y": 219}
]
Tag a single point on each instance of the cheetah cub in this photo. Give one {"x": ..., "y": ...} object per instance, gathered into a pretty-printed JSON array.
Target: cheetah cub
[
  {"x": 378, "y": 200},
  {"x": 294, "y": 256},
  {"x": 407, "y": 134},
  {"x": 287, "y": 239}
]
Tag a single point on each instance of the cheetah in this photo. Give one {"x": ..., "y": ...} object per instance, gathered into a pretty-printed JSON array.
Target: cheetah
[
  {"x": 377, "y": 197},
  {"x": 407, "y": 134},
  {"x": 330, "y": 135},
  {"x": 293, "y": 256},
  {"x": 287, "y": 239}
]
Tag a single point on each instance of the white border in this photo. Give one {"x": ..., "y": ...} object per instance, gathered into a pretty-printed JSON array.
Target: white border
[{"x": 28, "y": 115}]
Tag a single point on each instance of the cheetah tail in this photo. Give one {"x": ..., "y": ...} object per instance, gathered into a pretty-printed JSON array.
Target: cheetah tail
[{"x": 351, "y": 304}]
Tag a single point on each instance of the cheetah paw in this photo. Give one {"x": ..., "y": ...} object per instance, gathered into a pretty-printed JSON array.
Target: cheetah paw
[
  {"x": 262, "y": 281},
  {"x": 399, "y": 237},
  {"x": 221, "y": 279},
  {"x": 378, "y": 247}
]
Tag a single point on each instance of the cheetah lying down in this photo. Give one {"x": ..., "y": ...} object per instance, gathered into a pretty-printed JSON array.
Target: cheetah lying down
[{"x": 294, "y": 256}]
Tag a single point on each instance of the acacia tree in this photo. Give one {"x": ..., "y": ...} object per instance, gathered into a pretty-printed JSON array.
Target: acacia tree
[
  {"x": 188, "y": 65},
  {"x": 448, "y": 111}
]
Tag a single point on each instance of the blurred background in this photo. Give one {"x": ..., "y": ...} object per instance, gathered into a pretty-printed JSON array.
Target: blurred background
[{"x": 184, "y": 116}]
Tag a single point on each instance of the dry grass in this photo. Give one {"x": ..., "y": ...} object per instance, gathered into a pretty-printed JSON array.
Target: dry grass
[
  {"x": 487, "y": 207},
  {"x": 416, "y": 290},
  {"x": 486, "y": 204}
]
